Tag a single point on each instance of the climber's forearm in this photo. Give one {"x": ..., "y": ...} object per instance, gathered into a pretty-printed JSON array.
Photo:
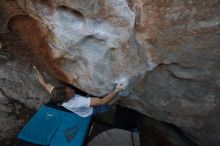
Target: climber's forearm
[
  {"x": 44, "y": 83},
  {"x": 109, "y": 97},
  {"x": 101, "y": 101},
  {"x": 114, "y": 100}
]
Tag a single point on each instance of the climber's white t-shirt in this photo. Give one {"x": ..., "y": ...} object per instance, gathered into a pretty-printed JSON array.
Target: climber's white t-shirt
[{"x": 79, "y": 105}]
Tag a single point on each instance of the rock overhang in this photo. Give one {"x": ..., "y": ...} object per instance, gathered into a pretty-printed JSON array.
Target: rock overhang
[{"x": 93, "y": 41}]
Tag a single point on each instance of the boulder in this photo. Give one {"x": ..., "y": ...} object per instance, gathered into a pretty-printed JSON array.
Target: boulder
[{"x": 167, "y": 52}]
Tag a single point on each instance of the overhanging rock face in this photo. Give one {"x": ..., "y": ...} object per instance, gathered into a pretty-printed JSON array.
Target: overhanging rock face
[
  {"x": 93, "y": 40},
  {"x": 168, "y": 51}
]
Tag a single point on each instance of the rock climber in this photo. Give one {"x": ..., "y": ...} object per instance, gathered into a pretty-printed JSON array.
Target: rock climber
[{"x": 83, "y": 106}]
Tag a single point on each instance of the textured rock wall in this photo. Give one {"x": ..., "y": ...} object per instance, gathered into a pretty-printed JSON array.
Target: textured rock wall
[
  {"x": 93, "y": 40},
  {"x": 168, "y": 51},
  {"x": 182, "y": 41}
]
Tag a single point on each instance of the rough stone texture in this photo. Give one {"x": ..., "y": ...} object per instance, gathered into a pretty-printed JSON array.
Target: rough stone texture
[
  {"x": 168, "y": 51},
  {"x": 93, "y": 40},
  {"x": 154, "y": 133},
  {"x": 20, "y": 96},
  {"x": 182, "y": 39}
]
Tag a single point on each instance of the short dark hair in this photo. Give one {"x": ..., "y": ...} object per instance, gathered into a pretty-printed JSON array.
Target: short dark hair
[{"x": 59, "y": 94}]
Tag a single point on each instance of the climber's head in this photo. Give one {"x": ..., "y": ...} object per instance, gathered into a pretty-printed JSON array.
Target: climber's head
[{"x": 61, "y": 94}]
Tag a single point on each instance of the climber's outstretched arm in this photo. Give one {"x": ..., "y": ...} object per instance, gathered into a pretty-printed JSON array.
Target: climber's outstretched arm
[
  {"x": 101, "y": 101},
  {"x": 43, "y": 82}
]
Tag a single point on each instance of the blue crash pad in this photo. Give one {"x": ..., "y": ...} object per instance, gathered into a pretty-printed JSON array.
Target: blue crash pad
[{"x": 50, "y": 126}]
